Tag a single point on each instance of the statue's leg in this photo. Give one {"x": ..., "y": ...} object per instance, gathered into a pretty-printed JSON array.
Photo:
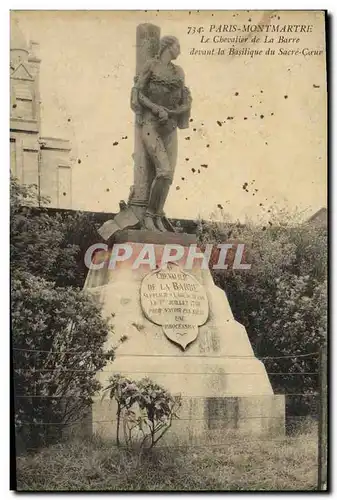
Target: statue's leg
[
  {"x": 171, "y": 148},
  {"x": 161, "y": 184}
]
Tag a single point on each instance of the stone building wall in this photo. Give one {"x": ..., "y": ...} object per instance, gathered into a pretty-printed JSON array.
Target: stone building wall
[{"x": 34, "y": 159}]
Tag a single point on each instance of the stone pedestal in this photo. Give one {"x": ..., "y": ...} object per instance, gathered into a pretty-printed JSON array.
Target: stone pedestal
[{"x": 223, "y": 386}]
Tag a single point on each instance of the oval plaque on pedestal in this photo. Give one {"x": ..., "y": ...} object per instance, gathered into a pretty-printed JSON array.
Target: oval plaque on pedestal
[{"x": 176, "y": 300}]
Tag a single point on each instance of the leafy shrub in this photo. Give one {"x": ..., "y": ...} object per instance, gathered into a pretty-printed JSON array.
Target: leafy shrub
[
  {"x": 142, "y": 406},
  {"x": 48, "y": 243},
  {"x": 58, "y": 332},
  {"x": 282, "y": 299}
]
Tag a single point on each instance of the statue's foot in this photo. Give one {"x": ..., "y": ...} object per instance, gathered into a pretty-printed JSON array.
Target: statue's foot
[
  {"x": 159, "y": 224},
  {"x": 149, "y": 223}
]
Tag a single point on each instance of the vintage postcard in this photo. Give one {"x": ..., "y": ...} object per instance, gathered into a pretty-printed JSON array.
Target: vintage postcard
[{"x": 169, "y": 250}]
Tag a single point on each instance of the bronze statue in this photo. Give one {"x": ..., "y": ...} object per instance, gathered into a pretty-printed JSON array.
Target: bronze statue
[{"x": 162, "y": 103}]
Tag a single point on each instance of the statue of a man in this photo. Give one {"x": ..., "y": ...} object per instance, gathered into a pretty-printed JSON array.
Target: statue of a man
[{"x": 161, "y": 102}]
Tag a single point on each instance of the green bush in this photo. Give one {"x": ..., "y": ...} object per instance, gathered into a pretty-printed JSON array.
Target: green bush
[
  {"x": 50, "y": 244},
  {"x": 145, "y": 409},
  {"x": 282, "y": 299},
  {"x": 58, "y": 331}
]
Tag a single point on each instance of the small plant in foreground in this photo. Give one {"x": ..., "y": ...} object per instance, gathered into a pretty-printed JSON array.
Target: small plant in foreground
[{"x": 145, "y": 408}]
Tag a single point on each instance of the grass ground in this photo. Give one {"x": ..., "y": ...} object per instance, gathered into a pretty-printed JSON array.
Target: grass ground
[{"x": 242, "y": 464}]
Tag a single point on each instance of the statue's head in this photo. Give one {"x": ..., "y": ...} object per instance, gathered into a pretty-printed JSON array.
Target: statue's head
[{"x": 171, "y": 44}]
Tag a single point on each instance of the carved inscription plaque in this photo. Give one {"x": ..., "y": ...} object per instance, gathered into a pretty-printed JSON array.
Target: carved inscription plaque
[{"x": 175, "y": 300}]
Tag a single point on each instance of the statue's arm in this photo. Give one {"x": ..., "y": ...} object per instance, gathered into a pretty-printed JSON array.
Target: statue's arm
[
  {"x": 147, "y": 103},
  {"x": 138, "y": 99},
  {"x": 144, "y": 74},
  {"x": 186, "y": 104},
  {"x": 186, "y": 98}
]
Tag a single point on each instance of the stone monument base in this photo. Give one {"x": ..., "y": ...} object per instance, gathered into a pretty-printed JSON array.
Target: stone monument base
[
  {"x": 224, "y": 387},
  {"x": 204, "y": 420}
]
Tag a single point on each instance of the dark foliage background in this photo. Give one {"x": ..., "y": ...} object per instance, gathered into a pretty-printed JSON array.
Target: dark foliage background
[
  {"x": 58, "y": 332},
  {"x": 282, "y": 299}
]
